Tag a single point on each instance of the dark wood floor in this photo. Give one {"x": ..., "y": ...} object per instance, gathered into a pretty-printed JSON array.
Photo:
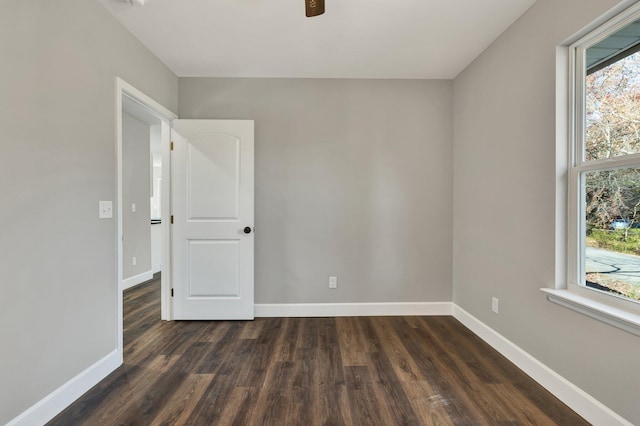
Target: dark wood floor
[{"x": 309, "y": 371}]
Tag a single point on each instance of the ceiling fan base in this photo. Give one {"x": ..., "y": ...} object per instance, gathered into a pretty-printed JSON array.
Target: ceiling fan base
[{"x": 314, "y": 7}]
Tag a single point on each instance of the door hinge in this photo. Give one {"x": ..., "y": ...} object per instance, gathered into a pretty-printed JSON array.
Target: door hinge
[
  {"x": 171, "y": 145},
  {"x": 171, "y": 292},
  {"x": 172, "y": 219}
]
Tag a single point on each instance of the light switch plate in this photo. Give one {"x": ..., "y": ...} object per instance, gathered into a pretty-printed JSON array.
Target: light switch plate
[{"x": 105, "y": 209}]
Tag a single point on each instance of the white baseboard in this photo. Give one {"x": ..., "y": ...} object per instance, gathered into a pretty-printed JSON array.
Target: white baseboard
[
  {"x": 137, "y": 279},
  {"x": 53, "y": 404},
  {"x": 352, "y": 309},
  {"x": 578, "y": 400}
]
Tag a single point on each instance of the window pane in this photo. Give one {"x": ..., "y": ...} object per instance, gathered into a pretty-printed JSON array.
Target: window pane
[
  {"x": 612, "y": 125},
  {"x": 612, "y": 240}
]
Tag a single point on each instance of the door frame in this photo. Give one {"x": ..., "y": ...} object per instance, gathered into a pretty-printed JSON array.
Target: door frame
[{"x": 166, "y": 116}]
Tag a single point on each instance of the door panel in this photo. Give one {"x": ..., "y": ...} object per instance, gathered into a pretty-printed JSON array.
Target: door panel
[
  {"x": 212, "y": 203},
  {"x": 213, "y": 170},
  {"x": 213, "y": 268}
]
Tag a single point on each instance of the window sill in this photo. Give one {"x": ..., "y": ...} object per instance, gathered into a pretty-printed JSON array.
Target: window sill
[{"x": 620, "y": 318}]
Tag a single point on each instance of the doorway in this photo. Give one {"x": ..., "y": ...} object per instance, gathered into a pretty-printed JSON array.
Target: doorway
[
  {"x": 142, "y": 143},
  {"x": 210, "y": 263}
]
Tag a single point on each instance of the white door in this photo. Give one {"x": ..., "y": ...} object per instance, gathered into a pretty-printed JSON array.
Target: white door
[{"x": 212, "y": 209}]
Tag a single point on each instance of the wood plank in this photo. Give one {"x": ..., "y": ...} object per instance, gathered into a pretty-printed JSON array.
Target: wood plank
[
  {"x": 309, "y": 371},
  {"x": 252, "y": 329},
  {"x": 389, "y": 389},
  {"x": 263, "y": 352},
  {"x": 525, "y": 412},
  {"x": 218, "y": 395},
  {"x": 442, "y": 374},
  {"x": 288, "y": 341},
  {"x": 351, "y": 343},
  {"x": 437, "y": 388},
  {"x": 429, "y": 407},
  {"x": 482, "y": 396},
  {"x": 366, "y": 408},
  {"x": 235, "y": 411},
  {"x": 115, "y": 404},
  {"x": 181, "y": 404},
  {"x": 272, "y": 404},
  {"x": 401, "y": 362},
  {"x": 331, "y": 403}
]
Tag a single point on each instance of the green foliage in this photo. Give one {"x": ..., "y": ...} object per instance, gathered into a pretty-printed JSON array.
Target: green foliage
[{"x": 616, "y": 240}]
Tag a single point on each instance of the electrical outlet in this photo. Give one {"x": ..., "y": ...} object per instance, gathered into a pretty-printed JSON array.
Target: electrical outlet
[
  {"x": 133, "y": 207},
  {"x": 333, "y": 282},
  {"x": 134, "y": 261},
  {"x": 494, "y": 304}
]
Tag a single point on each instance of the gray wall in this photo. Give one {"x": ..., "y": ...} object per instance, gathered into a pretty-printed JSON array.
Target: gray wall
[
  {"x": 504, "y": 206},
  {"x": 57, "y": 259},
  {"x": 353, "y": 178},
  {"x": 136, "y": 188}
]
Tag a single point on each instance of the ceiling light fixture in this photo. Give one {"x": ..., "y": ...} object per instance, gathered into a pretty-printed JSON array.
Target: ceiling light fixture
[
  {"x": 137, "y": 2},
  {"x": 313, "y": 7}
]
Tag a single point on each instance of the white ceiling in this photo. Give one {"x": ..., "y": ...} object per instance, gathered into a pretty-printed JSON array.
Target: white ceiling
[{"x": 353, "y": 39}]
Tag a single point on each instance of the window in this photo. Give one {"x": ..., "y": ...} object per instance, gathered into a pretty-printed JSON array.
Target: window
[
  {"x": 605, "y": 161},
  {"x": 604, "y": 165}
]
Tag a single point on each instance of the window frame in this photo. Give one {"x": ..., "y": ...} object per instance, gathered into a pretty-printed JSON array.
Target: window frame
[{"x": 607, "y": 307}]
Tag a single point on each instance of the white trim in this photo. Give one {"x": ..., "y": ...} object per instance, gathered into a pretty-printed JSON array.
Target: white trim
[
  {"x": 352, "y": 309},
  {"x": 564, "y": 129},
  {"x": 53, "y": 404},
  {"x": 136, "y": 279},
  {"x": 578, "y": 400},
  {"x": 166, "y": 308},
  {"x": 606, "y": 313},
  {"x": 125, "y": 89},
  {"x": 611, "y": 13},
  {"x": 119, "y": 249},
  {"x": 615, "y": 19},
  {"x": 149, "y": 104},
  {"x": 570, "y": 216}
]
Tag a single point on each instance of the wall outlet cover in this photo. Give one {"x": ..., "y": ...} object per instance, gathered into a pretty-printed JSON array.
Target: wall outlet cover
[
  {"x": 333, "y": 282},
  {"x": 105, "y": 209}
]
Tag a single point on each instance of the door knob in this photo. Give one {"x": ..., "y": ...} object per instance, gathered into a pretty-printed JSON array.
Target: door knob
[{"x": 247, "y": 230}]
